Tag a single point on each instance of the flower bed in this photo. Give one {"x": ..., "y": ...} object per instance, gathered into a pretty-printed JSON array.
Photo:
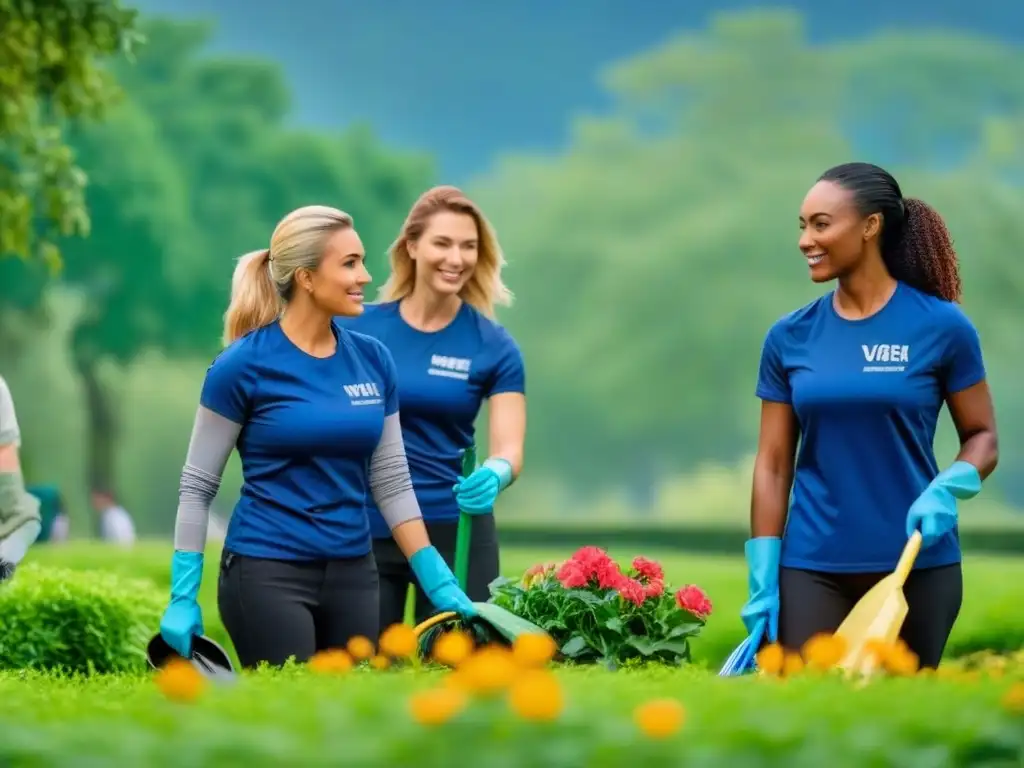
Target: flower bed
[{"x": 599, "y": 612}]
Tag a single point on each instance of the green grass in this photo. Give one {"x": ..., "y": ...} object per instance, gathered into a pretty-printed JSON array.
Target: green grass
[{"x": 296, "y": 717}]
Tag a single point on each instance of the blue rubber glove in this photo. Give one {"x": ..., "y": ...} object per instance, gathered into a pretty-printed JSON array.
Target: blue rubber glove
[
  {"x": 439, "y": 583},
  {"x": 183, "y": 620},
  {"x": 477, "y": 493},
  {"x": 934, "y": 511},
  {"x": 762, "y": 607}
]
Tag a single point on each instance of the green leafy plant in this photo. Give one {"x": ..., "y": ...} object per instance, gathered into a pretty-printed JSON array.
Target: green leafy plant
[
  {"x": 598, "y": 612},
  {"x": 76, "y": 621}
]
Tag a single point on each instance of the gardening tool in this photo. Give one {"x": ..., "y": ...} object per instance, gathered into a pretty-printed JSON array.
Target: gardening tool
[
  {"x": 879, "y": 615},
  {"x": 743, "y": 659},
  {"x": 207, "y": 656},
  {"x": 492, "y": 622},
  {"x": 463, "y": 535}
]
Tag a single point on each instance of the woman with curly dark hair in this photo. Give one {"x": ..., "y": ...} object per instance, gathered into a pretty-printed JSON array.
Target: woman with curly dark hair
[{"x": 852, "y": 385}]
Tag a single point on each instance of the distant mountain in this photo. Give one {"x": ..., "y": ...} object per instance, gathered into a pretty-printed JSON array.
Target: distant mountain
[{"x": 466, "y": 80}]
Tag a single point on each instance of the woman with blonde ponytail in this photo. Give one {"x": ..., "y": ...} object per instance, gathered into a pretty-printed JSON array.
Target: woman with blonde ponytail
[
  {"x": 254, "y": 299},
  {"x": 437, "y": 319},
  {"x": 313, "y": 412}
]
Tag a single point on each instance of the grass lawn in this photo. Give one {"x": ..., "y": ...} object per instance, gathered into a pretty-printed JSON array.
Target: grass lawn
[
  {"x": 303, "y": 717},
  {"x": 364, "y": 718}
]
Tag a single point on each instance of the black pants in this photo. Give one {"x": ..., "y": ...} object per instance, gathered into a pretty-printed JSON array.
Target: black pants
[
  {"x": 396, "y": 575},
  {"x": 811, "y": 602},
  {"x": 275, "y": 609}
]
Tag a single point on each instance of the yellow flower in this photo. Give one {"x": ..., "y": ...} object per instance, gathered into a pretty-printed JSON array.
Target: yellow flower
[
  {"x": 488, "y": 671},
  {"x": 398, "y": 641},
  {"x": 537, "y": 695},
  {"x": 360, "y": 648},
  {"x": 823, "y": 651},
  {"x": 771, "y": 659},
  {"x": 533, "y": 649},
  {"x": 333, "y": 662},
  {"x": 180, "y": 681},
  {"x": 379, "y": 662},
  {"x": 436, "y": 706},
  {"x": 660, "y": 718},
  {"x": 452, "y": 648},
  {"x": 1013, "y": 699},
  {"x": 895, "y": 658},
  {"x": 792, "y": 665}
]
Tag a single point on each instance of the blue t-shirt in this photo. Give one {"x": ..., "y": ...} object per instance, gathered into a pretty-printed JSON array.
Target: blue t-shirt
[
  {"x": 443, "y": 377},
  {"x": 867, "y": 395},
  {"x": 309, "y": 427}
]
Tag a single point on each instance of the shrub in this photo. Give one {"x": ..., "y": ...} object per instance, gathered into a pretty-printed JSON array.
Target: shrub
[{"x": 76, "y": 621}]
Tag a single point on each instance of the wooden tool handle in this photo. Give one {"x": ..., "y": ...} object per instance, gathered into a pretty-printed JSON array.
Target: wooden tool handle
[{"x": 906, "y": 563}]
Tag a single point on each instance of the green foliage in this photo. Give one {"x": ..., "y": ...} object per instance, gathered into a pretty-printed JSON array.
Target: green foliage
[
  {"x": 76, "y": 621},
  {"x": 295, "y": 717},
  {"x": 52, "y": 58}
]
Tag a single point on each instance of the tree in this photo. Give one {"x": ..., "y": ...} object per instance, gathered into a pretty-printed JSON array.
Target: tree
[
  {"x": 650, "y": 259},
  {"x": 51, "y": 55}
]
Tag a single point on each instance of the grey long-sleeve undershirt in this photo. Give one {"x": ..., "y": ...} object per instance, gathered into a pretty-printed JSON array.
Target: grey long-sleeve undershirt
[{"x": 213, "y": 439}]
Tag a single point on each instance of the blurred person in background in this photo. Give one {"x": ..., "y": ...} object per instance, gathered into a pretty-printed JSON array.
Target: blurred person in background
[
  {"x": 858, "y": 378},
  {"x": 113, "y": 523},
  {"x": 436, "y": 316},
  {"x": 312, "y": 409},
  {"x": 20, "y": 521}
]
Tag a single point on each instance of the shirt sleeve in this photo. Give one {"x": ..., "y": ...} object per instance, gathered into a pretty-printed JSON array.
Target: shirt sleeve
[
  {"x": 389, "y": 372},
  {"x": 963, "y": 364},
  {"x": 229, "y": 385},
  {"x": 9, "y": 430},
  {"x": 509, "y": 374},
  {"x": 772, "y": 380}
]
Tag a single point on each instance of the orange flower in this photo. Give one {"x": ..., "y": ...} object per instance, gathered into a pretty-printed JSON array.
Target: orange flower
[
  {"x": 823, "y": 651},
  {"x": 1013, "y": 699},
  {"x": 334, "y": 662},
  {"x": 360, "y": 648},
  {"x": 452, "y": 648},
  {"x": 436, "y": 706},
  {"x": 380, "y": 663},
  {"x": 536, "y": 695},
  {"x": 398, "y": 641},
  {"x": 660, "y": 718},
  {"x": 488, "y": 671},
  {"x": 533, "y": 649},
  {"x": 896, "y": 658},
  {"x": 792, "y": 665},
  {"x": 178, "y": 680},
  {"x": 771, "y": 659}
]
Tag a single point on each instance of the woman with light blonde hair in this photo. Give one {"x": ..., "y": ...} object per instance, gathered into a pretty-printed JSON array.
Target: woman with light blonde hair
[
  {"x": 436, "y": 316},
  {"x": 313, "y": 411}
]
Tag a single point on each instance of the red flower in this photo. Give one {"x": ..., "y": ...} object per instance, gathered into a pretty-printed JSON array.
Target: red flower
[
  {"x": 592, "y": 559},
  {"x": 648, "y": 570},
  {"x": 632, "y": 591},
  {"x": 571, "y": 575},
  {"x": 654, "y": 588},
  {"x": 693, "y": 599},
  {"x": 539, "y": 568},
  {"x": 609, "y": 576}
]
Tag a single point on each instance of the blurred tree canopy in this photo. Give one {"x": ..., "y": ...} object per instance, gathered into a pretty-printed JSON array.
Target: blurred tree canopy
[
  {"x": 51, "y": 71},
  {"x": 650, "y": 259}
]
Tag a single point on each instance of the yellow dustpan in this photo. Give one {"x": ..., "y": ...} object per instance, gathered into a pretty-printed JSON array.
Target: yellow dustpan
[{"x": 879, "y": 615}]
